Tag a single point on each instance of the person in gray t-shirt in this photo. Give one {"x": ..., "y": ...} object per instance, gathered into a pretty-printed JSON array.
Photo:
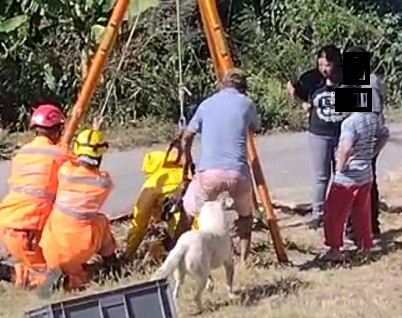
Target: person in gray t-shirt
[
  {"x": 362, "y": 138},
  {"x": 378, "y": 102},
  {"x": 223, "y": 120}
]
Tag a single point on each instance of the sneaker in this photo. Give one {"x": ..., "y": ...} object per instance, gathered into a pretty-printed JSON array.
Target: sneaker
[
  {"x": 49, "y": 286},
  {"x": 332, "y": 255}
]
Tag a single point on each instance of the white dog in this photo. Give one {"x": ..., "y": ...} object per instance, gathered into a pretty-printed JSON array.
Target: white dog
[{"x": 197, "y": 252}]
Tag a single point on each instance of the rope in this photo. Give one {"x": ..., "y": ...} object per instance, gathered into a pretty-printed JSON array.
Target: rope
[
  {"x": 123, "y": 56},
  {"x": 182, "y": 89}
]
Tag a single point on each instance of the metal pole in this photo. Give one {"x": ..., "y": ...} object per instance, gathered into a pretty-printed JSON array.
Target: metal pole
[{"x": 223, "y": 62}]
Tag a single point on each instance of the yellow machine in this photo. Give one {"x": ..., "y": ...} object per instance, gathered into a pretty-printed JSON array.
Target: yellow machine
[{"x": 159, "y": 199}]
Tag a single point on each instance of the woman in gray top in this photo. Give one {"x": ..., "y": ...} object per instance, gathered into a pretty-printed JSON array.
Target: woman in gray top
[{"x": 378, "y": 100}]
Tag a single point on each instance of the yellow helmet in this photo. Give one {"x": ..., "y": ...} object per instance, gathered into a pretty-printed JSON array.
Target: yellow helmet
[{"x": 90, "y": 143}]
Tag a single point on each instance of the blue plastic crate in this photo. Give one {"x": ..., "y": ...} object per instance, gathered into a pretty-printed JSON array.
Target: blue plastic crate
[{"x": 146, "y": 300}]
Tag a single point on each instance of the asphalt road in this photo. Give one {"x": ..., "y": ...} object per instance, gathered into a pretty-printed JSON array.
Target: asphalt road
[{"x": 285, "y": 160}]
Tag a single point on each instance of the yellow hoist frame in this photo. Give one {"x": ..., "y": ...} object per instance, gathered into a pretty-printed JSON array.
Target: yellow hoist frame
[{"x": 222, "y": 62}]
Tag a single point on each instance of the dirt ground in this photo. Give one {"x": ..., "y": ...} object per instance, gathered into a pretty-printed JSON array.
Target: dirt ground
[
  {"x": 304, "y": 288},
  {"x": 361, "y": 287}
]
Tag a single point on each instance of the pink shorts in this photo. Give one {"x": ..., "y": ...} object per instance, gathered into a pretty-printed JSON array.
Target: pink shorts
[{"x": 207, "y": 185}]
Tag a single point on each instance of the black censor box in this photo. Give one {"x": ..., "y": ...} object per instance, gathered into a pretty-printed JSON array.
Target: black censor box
[{"x": 351, "y": 97}]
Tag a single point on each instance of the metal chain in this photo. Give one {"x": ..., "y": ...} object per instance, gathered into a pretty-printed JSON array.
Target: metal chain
[{"x": 182, "y": 89}]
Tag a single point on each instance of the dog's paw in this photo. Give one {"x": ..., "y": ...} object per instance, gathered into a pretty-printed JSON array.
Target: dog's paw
[{"x": 233, "y": 296}]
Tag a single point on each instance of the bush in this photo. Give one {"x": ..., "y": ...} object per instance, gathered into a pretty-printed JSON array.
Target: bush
[
  {"x": 146, "y": 132},
  {"x": 271, "y": 40},
  {"x": 274, "y": 106}
]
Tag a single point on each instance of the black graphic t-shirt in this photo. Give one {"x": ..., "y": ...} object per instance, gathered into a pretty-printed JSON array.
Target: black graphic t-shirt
[{"x": 311, "y": 87}]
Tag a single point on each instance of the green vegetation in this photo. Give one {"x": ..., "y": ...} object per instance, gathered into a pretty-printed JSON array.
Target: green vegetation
[{"x": 46, "y": 46}]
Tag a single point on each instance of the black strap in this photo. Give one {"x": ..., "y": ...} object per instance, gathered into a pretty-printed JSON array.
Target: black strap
[{"x": 175, "y": 144}]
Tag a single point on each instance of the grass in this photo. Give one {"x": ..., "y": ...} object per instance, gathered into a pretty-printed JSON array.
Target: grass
[{"x": 361, "y": 288}]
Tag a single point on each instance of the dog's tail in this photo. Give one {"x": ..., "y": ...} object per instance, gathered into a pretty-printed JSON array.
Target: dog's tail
[{"x": 171, "y": 263}]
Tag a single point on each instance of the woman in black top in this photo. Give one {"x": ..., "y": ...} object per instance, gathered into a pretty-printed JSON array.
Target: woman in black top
[{"x": 315, "y": 89}]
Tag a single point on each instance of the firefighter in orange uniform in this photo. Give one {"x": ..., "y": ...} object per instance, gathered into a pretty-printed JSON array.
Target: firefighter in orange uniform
[
  {"x": 76, "y": 229},
  {"x": 32, "y": 190}
]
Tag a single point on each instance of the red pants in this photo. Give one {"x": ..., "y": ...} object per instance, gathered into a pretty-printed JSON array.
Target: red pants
[{"x": 340, "y": 201}]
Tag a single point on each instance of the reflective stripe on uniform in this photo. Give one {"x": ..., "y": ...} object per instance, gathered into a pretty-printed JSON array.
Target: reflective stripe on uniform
[
  {"x": 96, "y": 180},
  {"x": 87, "y": 203},
  {"x": 75, "y": 213},
  {"x": 81, "y": 195},
  {"x": 49, "y": 150},
  {"x": 38, "y": 193}
]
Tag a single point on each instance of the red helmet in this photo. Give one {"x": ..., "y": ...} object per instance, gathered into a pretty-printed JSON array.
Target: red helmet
[{"x": 47, "y": 116}]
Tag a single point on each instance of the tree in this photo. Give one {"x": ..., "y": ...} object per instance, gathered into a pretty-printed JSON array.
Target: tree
[{"x": 25, "y": 29}]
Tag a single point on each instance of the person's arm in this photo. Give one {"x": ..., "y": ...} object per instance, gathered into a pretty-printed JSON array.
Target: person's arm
[
  {"x": 300, "y": 89},
  {"x": 192, "y": 129},
  {"x": 382, "y": 139},
  {"x": 382, "y": 91},
  {"x": 253, "y": 119},
  {"x": 376, "y": 102},
  {"x": 292, "y": 92},
  {"x": 377, "y": 84},
  {"x": 347, "y": 139},
  {"x": 187, "y": 144},
  {"x": 291, "y": 89}
]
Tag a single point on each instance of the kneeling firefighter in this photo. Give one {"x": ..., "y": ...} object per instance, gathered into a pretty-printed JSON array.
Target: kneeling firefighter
[
  {"x": 76, "y": 229},
  {"x": 32, "y": 190},
  {"x": 159, "y": 199}
]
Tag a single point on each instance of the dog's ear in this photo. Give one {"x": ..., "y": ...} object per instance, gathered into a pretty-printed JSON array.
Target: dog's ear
[
  {"x": 223, "y": 204},
  {"x": 226, "y": 202}
]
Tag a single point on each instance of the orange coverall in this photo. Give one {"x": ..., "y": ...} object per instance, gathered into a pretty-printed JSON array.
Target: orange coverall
[
  {"x": 25, "y": 209},
  {"x": 76, "y": 230}
]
